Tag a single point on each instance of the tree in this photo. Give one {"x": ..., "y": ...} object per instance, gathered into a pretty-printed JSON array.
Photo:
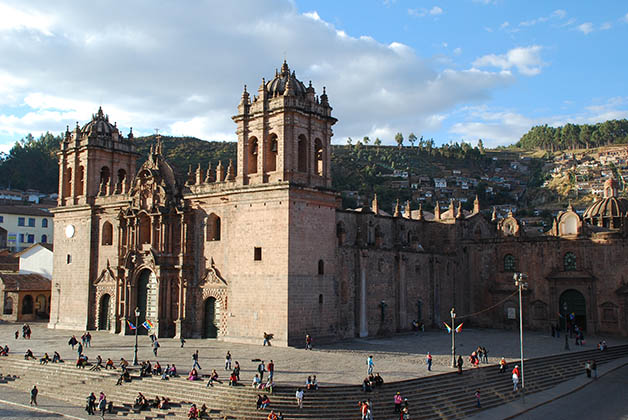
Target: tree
[
  {"x": 481, "y": 146},
  {"x": 412, "y": 139},
  {"x": 349, "y": 141},
  {"x": 399, "y": 140},
  {"x": 366, "y": 140}
]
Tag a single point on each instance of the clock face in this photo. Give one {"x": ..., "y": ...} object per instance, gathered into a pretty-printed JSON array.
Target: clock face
[{"x": 69, "y": 231}]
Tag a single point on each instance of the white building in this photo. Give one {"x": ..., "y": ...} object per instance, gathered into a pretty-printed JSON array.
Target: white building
[
  {"x": 23, "y": 226},
  {"x": 36, "y": 259}
]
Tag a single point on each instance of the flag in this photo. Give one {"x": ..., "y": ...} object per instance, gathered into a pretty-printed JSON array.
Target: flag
[
  {"x": 131, "y": 326},
  {"x": 459, "y": 327},
  {"x": 147, "y": 324},
  {"x": 448, "y": 328}
]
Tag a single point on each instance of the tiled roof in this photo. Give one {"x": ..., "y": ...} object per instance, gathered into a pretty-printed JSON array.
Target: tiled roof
[
  {"x": 25, "y": 210},
  {"x": 9, "y": 263},
  {"x": 24, "y": 282},
  {"x": 47, "y": 246}
]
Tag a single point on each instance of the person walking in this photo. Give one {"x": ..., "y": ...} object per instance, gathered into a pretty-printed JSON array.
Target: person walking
[
  {"x": 236, "y": 370},
  {"x": 370, "y": 364},
  {"x": 397, "y": 400},
  {"x": 88, "y": 339},
  {"x": 79, "y": 349},
  {"x": 299, "y": 396},
  {"x": 17, "y": 334},
  {"x": 102, "y": 405},
  {"x": 182, "y": 341},
  {"x": 271, "y": 369},
  {"x": 91, "y": 404},
  {"x": 308, "y": 342},
  {"x": 477, "y": 397},
  {"x": 460, "y": 364},
  {"x": 485, "y": 354},
  {"x": 587, "y": 368},
  {"x": 195, "y": 358},
  {"x": 429, "y": 362},
  {"x": 228, "y": 361},
  {"x": 155, "y": 347},
  {"x": 515, "y": 378},
  {"x": 73, "y": 341},
  {"x": 34, "y": 393},
  {"x": 261, "y": 368},
  {"x": 594, "y": 368}
]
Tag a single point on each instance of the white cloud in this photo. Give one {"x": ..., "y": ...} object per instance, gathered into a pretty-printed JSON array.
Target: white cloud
[
  {"x": 625, "y": 18},
  {"x": 559, "y": 13},
  {"x": 183, "y": 70},
  {"x": 434, "y": 11},
  {"x": 21, "y": 19},
  {"x": 504, "y": 25},
  {"x": 606, "y": 26},
  {"x": 527, "y": 60},
  {"x": 457, "y": 51},
  {"x": 586, "y": 28}
]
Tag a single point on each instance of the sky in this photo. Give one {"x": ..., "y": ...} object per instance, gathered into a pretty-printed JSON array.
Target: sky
[{"x": 450, "y": 70}]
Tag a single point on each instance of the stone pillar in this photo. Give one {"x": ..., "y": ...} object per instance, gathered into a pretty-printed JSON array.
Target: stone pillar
[
  {"x": 364, "y": 331},
  {"x": 403, "y": 294}
]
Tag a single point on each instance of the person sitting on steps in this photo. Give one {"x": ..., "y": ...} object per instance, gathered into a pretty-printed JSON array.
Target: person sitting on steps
[{"x": 29, "y": 355}]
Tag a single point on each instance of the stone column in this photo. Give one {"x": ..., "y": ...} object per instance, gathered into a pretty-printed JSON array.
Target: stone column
[{"x": 364, "y": 331}]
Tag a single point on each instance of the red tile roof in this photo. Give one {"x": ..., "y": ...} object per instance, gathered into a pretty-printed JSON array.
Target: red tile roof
[{"x": 24, "y": 282}]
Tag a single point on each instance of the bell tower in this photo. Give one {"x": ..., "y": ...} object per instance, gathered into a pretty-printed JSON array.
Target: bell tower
[
  {"x": 95, "y": 160},
  {"x": 284, "y": 133}
]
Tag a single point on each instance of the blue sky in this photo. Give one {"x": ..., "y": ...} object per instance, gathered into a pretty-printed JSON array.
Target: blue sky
[{"x": 450, "y": 70}]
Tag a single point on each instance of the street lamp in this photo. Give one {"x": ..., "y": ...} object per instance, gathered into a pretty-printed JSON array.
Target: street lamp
[
  {"x": 137, "y": 315},
  {"x": 453, "y": 338},
  {"x": 565, "y": 322},
  {"x": 521, "y": 285}
]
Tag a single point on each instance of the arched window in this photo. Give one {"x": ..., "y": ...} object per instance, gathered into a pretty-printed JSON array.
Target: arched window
[
  {"x": 340, "y": 233},
  {"x": 44, "y": 239},
  {"x": 121, "y": 180},
  {"x": 252, "y": 160},
  {"x": 27, "y": 305},
  {"x": 271, "y": 155},
  {"x": 8, "y": 305},
  {"x": 80, "y": 179},
  {"x": 302, "y": 154},
  {"x": 105, "y": 174},
  {"x": 321, "y": 267},
  {"x": 44, "y": 223},
  {"x": 144, "y": 229},
  {"x": 509, "y": 263},
  {"x": 213, "y": 228},
  {"x": 569, "y": 261},
  {"x": 107, "y": 234},
  {"x": 318, "y": 157},
  {"x": 67, "y": 183}
]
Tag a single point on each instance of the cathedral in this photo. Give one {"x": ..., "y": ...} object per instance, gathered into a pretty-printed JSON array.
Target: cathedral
[{"x": 262, "y": 245}]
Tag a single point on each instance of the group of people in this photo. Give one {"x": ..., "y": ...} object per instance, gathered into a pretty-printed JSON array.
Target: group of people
[
  {"x": 372, "y": 381},
  {"x": 26, "y": 332},
  {"x": 102, "y": 405}
]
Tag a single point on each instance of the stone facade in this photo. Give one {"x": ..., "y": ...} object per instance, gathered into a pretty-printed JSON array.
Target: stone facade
[{"x": 264, "y": 247}]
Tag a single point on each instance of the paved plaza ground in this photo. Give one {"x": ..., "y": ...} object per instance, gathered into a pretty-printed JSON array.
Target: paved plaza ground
[{"x": 396, "y": 358}]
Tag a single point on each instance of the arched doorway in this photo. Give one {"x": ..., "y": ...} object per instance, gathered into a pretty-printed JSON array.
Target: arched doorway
[
  {"x": 27, "y": 305},
  {"x": 573, "y": 309},
  {"x": 41, "y": 305},
  {"x": 211, "y": 321},
  {"x": 104, "y": 319},
  {"x": 146, "y": 299}
]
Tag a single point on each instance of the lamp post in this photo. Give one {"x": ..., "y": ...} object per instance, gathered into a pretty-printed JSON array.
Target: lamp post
[
  {"x": 137, "y": 315},
  {"x": 565, "y": 322},
  {"x": 453, "y": 338},
  {"x": 521, "y": 285}
]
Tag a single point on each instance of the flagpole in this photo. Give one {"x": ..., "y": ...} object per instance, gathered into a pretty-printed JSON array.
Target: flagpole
[
  {"x": 453, "y": 338},
  {"x": 137, "y": 315}
]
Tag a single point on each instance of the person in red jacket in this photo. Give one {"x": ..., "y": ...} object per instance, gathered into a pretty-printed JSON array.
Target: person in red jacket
[{"x": 516, "y": 374}]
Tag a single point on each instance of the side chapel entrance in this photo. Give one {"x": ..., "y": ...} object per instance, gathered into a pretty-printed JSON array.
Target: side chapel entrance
[{"x": 211, "y": 321}]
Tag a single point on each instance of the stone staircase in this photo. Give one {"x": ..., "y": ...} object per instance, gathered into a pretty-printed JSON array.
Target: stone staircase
[{"x": 440, "y": 396}]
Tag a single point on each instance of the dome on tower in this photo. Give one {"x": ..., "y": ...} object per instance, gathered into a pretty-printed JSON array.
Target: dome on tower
[
  {"x": 609, "y": 210},
  {"x": 277, "y": 86},
  {"x": 99, "y": 125}
]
